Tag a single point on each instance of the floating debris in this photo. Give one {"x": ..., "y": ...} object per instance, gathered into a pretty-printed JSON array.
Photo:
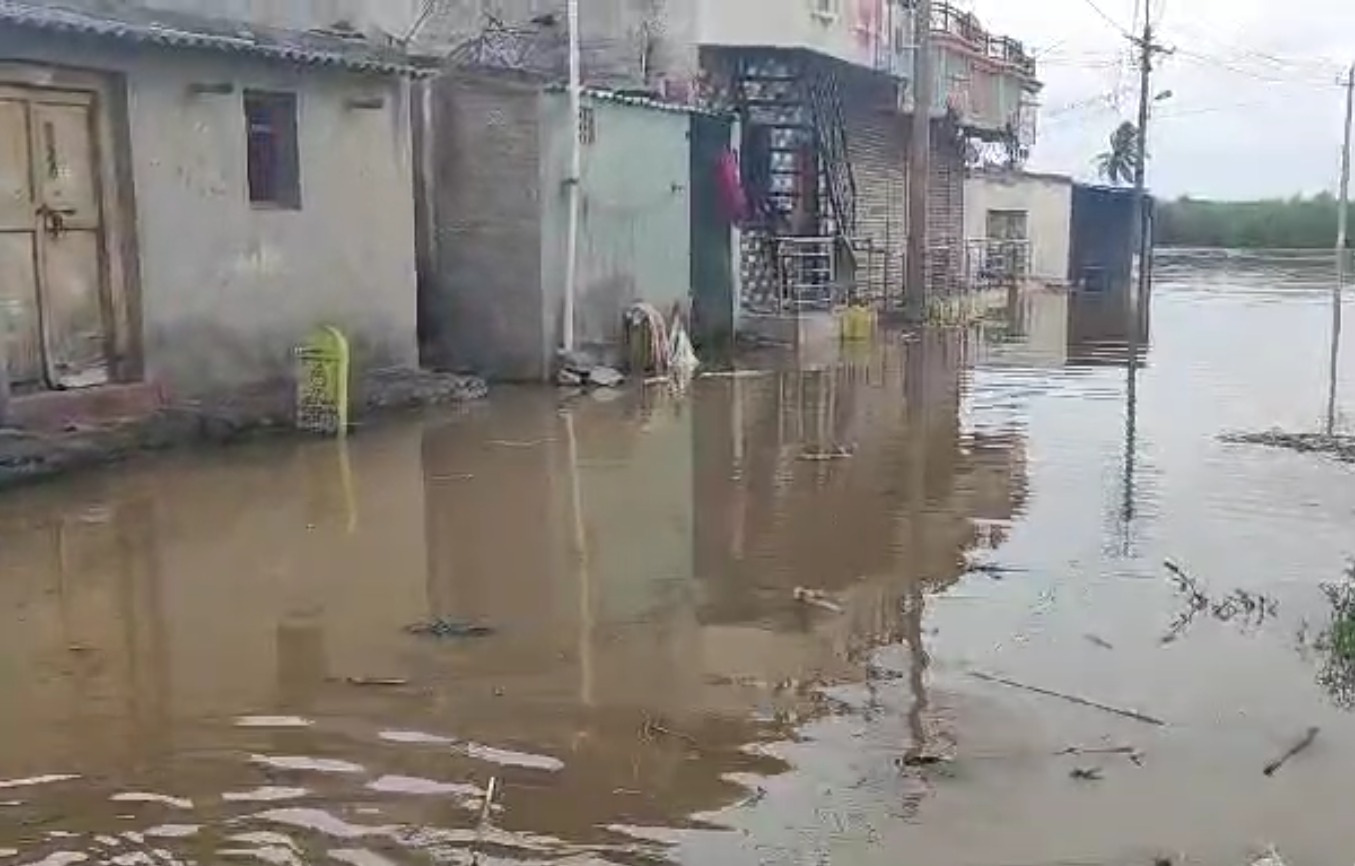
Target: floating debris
[
  {"x": 1134, "y": 755},
  {"x": 917, "y": 758},
  {"x": 1337, "y": 446},
  {"x": 992, "y": 570},
  {"x": 1073, "y": 699},
  {"x": 1087, "y": 774},
  {"x": 1308, "y": 738},
  {"x": 386, "y": 682},
  {"x": 828, "y": 455},
  {"x": 1270, "y": 858},
  {"x": 1249, "y": 609},
  {"x": 650, "y": 728},
  {"x": 1099, "y": 641},
  {"x": 450, "y": 628},
  {"x": 817, "y": 599}
]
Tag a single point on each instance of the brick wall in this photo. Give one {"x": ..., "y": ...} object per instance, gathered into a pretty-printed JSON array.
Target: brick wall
[{"x": 482, "y": 303}]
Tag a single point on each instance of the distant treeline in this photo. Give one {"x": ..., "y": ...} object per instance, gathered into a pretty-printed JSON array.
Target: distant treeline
[{"x": 1296, "y": 223}]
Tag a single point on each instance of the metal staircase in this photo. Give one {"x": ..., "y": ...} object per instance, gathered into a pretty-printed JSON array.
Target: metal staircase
[{"x": 803, "y": 194}]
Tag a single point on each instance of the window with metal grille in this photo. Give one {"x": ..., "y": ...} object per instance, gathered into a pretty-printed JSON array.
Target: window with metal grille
[
  {"x": 272, "y": 149},
  {"x": 588, "y": 125}
]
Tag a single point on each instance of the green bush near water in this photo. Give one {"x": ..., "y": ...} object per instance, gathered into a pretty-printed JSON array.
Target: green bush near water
[
  {"x": 1336, "y": 642},
  {"x": 1296, "y": 223}
]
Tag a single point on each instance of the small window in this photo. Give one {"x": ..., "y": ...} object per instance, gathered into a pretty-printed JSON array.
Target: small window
[
  {"x": 274, "y": 162},
  {"x": 826, "y": 9},
  {"x": 588, "y": 126}
]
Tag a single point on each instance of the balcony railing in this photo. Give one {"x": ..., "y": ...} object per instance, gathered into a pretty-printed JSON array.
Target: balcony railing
[{"x": 965, "y": 27}]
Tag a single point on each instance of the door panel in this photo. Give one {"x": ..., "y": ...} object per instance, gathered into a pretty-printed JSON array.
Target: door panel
[
  {"x": 16, "y": 173},
  {"x": 71, "y": 284},
  {"x": 73, "y": 305},
  {"x": 52, "y": 305},
  {"x": 19, "y": 309},
  {"x": 20, "y": 334},
  {"x": 65, "y": 161}
]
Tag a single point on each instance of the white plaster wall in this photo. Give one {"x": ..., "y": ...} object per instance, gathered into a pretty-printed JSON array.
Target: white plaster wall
[
  {"x": 857, "y": 31},
  {"x": 1047, "y": 201},
  {"x": 227, "y": 290}
]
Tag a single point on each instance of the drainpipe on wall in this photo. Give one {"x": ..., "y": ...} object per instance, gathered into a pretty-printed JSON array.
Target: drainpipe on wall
[
  {"x": 4, "y": 383},
  {"x": 572, "y": 182},
  {"x": 4, "y": 365}
]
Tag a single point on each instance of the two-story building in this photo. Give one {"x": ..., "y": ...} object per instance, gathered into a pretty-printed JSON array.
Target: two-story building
[{"x": 824, "y": 94}]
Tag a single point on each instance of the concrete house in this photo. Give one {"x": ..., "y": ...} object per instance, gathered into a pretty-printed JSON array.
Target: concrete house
[
  {"x": 1019, "y": 224},
  {"x": 184, "y": 196},
  {"x": 823, "y": 94},
  {"x": 649, "y": 223}
]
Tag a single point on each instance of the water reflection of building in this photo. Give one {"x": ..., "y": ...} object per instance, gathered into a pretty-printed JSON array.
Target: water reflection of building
[
  {"x": 908, "y": 504},
  {"x": 637, "y": 557},
  {"x": 1067, "y": 329}
]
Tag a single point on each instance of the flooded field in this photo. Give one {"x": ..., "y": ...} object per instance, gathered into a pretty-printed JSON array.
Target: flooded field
[{"x": 312, "y": 653}]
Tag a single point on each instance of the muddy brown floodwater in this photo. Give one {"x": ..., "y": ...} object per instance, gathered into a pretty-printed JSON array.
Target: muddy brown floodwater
[{"x": 207, "y": 658}]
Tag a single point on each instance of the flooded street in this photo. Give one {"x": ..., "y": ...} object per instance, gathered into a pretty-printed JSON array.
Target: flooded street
[{"x": 309, "y": 652}]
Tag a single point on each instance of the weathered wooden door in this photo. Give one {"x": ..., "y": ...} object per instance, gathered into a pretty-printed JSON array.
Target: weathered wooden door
[
  {"x": 52, "y": 308},
  {"x": 712, "y": 254}
]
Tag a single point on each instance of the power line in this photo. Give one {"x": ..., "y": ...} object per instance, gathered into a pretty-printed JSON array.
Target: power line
[
  {"x": 1109, "y": 20},
  {"x": 1225, "y": 64}
]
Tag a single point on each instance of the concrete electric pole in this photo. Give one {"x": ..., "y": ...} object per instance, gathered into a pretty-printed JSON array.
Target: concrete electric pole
[
  {"x": 1139, "y": 298},
  {"x": 919, "y": 166},
  {"x": 575, "y": 176},
  {"x": 1341, "y": 257}
]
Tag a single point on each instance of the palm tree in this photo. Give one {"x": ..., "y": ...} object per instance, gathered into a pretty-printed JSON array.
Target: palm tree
[{"x": 1117, "y": 164}]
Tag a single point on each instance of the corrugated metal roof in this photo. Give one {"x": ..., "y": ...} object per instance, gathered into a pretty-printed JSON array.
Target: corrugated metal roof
[
  {"x": 602, "y": 95},
  {"x": 181, "y": 30}
]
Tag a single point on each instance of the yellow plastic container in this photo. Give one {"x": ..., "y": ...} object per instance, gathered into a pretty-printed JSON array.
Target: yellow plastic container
[{"x": 857, "y": 324}]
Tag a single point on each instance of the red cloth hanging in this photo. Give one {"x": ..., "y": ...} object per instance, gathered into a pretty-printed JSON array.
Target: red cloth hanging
[{"x": 730, "y": 184}]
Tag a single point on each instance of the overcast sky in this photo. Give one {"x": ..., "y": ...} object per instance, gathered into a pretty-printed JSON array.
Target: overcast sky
[{"x": 1255, "y": 110}]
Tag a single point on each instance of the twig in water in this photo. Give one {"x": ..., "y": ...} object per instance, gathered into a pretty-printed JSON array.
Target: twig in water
[
  {"x": 388, "y": 682},
  {"x": 1073, "y": 699},
  {"x": 826, "y": 456},
  {"x": 1273, "y": 767},
  {"x": 1108, "y": 750},
  {"x": 816, "y": 598},
  {"x": 652, "y": 727},
  {"x": 505, "y": 443},
  {"x": 483, "y": 824},
  {"x": 1100, "y": 641}
]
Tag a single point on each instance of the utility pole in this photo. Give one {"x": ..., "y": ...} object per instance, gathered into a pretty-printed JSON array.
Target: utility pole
[
  {"x": 1138, "y": 300},
  {"x": 574, "y": 179},
  {"x": 1341, "y": 257},
  {"x": 919, "y": 166}
]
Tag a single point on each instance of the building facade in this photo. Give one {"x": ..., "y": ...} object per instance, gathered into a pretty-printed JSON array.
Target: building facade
[
  {"x": 1018, "y": 224},
  {"x": 493, "y": 293},
  {"x": 185, "y": 196},
  {"x": 823, "y": 93}
]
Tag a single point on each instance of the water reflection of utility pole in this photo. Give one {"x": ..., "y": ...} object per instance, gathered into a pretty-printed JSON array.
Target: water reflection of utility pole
[
  {"x": 1131, "y": 445},
  {"x": 580, "y": 553},
  {"x": 1341, "y": 254},
  {"x": 916, "y": 407}
]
